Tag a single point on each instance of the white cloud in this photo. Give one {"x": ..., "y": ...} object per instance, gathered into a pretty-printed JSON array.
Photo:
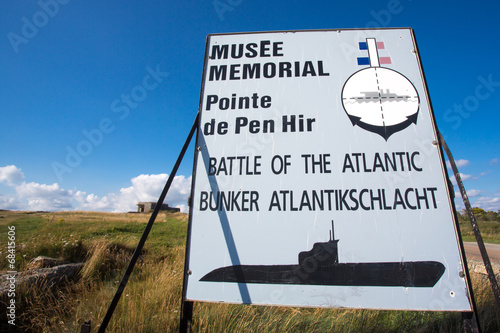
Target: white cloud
[
  {"x": 93, "y": 202},
  {"x": 473, "y": 193},
  {"x": 459, "y": 163},
  {"x": 462, "y": 176},
  {"x": 465, "y": 177},
  {"x": 9, "y": 203},
  {"x": 144, "y": 188},
  {"x": 494, "y": 161},
  {"x": 183, "y": 208},
  {"x": 488, "y": 203},
  {"x": 179, "y": 191},
  {"x": 45, "y": 197},
  {"x": 10, "y": 175},
  {"x": 35, "y": 196},
  {"x": 470, "y": 193},
  {"x": 149, "y": 188}
]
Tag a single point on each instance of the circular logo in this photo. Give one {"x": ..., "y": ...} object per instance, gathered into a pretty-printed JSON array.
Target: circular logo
[{"x": 380, "y": 100}]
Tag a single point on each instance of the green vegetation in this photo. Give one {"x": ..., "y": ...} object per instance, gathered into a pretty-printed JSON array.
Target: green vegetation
[
  {"x": 489, "y": 225},
  {"x": 151, "y": 300}
]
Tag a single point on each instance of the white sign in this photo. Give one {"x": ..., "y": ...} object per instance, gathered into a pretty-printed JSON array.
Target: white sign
[{"x": 318, "y": 179}]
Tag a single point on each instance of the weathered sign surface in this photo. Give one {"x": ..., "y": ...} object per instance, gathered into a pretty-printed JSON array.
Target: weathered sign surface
[{"x": 318, "y": 179}]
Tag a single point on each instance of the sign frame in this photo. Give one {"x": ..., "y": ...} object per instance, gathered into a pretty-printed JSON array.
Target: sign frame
[{"x": 229, "y": 238}]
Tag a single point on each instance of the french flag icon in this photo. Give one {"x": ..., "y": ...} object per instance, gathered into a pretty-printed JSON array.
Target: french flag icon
[{"x": 373, "y": 59}]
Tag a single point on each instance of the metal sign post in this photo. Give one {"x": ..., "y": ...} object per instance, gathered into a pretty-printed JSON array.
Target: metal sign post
[
  {"x": 145, "y": 234},
  {"x": 475, "y": 228}
]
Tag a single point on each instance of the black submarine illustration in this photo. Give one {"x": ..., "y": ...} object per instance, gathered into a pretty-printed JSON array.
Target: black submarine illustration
[{"x": 320, "y": 266}]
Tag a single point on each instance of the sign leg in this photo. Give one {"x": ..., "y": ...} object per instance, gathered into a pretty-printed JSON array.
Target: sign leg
[
  {"x": 186, "y": 317},
  {"x": 145, "y": 233}
]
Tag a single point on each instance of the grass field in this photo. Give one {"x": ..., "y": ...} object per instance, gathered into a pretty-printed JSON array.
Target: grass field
[
  {"x": 151, "y": 300},
  {"x": 489, "y": 225}
]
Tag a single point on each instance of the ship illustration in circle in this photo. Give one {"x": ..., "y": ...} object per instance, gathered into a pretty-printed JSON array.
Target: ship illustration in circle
[
  {"x": 379, "y": 99},
  {"x": 321, "y": 266}
]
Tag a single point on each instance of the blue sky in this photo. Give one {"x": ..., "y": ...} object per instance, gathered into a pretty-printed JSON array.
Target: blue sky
[{"x": 97, "y": 97}]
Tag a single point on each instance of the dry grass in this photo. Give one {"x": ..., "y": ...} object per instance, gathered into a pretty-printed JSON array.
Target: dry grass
[
  {"x": 78, "y": 216},
  {"x": 149, "y": 303},
  {"x": 104, "y": 260},
  {"x": 151, "y": 300}
]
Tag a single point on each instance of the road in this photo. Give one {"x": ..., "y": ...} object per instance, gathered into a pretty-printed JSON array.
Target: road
[{"x": 472, "y": 252}]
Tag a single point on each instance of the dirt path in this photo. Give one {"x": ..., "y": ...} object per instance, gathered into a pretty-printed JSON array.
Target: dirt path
[{"x": 472, "y": 252}]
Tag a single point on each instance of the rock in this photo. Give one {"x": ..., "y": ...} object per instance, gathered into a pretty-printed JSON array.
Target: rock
[
  {"x": 49, "y": 277},
  {"x": 44, "y": 262},
  {"x": 478, "y": 267}
]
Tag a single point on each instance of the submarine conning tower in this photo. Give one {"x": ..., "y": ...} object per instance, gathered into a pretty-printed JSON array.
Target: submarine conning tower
[{"x": 322, "y": 254}]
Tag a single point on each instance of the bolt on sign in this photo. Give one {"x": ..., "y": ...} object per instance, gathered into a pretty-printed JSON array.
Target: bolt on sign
[{"x": 318, "y": 178}]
